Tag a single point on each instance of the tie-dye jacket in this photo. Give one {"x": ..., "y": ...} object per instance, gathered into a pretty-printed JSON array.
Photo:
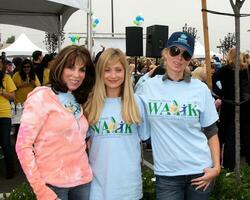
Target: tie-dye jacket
[{"x": 51, "y": 144}]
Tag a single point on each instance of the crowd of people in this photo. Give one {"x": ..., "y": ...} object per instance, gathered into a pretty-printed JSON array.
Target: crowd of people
[
  {"x": 84, "y": 120},
  {"x": 17, "y": 79}
]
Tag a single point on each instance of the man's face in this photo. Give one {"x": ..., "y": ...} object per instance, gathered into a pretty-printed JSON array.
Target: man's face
[{"x": 40, "y": 58}]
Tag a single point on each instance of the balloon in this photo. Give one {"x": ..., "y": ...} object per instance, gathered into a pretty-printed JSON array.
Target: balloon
[
  {"x": 72, "y": 38},
  {"x": 95, "y": 21},
  {"x": 77, "y": 38},
  {"x": 138, "y": 20}
]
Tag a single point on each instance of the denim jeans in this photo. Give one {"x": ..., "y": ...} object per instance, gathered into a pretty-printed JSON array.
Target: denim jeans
[
  {"x": 80, "y": 192},
  {"x": 180, "y": 188},
  {"x": 5, "y": 143}
]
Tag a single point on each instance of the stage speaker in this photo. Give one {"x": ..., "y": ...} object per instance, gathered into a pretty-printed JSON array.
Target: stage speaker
[
  {"x": 134, "y": 44},
  {"x": 157, "y": 36}
]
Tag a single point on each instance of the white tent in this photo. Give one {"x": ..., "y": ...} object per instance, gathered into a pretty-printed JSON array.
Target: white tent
[
  {"x": 39, "y": 14},
  {"x": 49, "y": 16},
  {"x": 22, "y": 46},
  {"x": 199, "y": 51}
]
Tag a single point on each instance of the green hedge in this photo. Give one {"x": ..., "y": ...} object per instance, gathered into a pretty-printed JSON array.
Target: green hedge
[
  {"x": 22, "y": 192},
  {"x": 225, "y": 188}
]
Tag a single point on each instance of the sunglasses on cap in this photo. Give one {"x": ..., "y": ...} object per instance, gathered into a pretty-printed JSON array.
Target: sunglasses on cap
[{"x": 175, "y": 51}]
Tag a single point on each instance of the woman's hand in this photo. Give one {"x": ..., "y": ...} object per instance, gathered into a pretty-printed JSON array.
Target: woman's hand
[{"x": 204, "y": 181}]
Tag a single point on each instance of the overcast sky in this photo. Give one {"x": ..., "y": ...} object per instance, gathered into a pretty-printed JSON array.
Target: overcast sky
[{"x": 173, "y": 13}]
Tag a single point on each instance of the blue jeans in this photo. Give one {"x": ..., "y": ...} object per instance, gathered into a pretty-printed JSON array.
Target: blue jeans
[
  {"x": 80, "y": 192},
  {"x": 180, "y": 188}
]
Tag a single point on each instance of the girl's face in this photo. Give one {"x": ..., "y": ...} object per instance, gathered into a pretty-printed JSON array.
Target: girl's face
[
  {"x": 114, "y": 76},
  {"x": 26, "y": 68},
  {"x": 73, "y": 76}
]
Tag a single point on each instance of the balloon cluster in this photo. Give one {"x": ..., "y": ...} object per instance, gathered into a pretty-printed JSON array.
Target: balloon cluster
[
  {"x": 95, "y": 22},
  {"x": 74, "y": 38},
  {"x": 139, "y": 19}
]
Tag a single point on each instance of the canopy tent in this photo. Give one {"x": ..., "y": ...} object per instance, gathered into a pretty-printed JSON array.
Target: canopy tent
[
  {"x": 81, "y": 4},
  {"x": 39, "y": 14},
  {"x": 49, "y": 16},
  {"x": 22, "y": 46},
  {"x": 199, "y": 51}
]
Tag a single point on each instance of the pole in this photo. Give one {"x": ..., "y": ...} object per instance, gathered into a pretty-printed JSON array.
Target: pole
[
  {"x": 89, "y": 28},
  {"x": 112, "y": 18},
  {"x": 60, "y": 28},
  {"x": 206, "y": 43}
]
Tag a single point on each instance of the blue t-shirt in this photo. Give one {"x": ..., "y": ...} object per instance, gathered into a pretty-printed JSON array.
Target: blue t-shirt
[
  {"x": 68, "y": 101},
  {"x": 115, "y": 154},
  {"x": 177, "y": 112}
]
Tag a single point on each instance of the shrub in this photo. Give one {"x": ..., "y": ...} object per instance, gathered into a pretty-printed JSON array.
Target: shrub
[
  {"x": 226, "y": 187},
  {"x": 22, "y": 192},
  {"x": 148, "y": 180}
]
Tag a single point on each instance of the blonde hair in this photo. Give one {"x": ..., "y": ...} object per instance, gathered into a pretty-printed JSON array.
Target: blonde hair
[
  {"x": 94, "y": 105},
  {"x": 231, "y": 59},
  {"x": 200, "y": 73}
]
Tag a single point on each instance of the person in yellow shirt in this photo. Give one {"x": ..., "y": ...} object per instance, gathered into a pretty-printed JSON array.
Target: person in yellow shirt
[
  {"x": 7, "y": 93},
  {"x": 46, "y": 64},
  {"x": 26, "y": 80}
]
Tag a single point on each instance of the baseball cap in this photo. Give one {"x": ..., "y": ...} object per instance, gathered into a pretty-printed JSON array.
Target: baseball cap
[{"x": 182, "y": 39}]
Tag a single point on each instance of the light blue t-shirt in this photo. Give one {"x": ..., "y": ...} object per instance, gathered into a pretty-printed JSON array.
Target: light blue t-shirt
[
  {"x": 141, "y": 81},
  {"x": 115, "y": 154},
  {"x": 68, "y": 101},
  {"x": 177, "y": 111}
]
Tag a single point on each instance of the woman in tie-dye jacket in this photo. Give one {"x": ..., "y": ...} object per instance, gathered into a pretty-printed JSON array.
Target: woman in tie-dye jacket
[{"x": 51, "y": 140}]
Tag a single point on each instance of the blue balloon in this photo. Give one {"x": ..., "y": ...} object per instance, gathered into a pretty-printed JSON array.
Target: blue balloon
[
  {"x": 138, "y": 18},
  {"x": 96, "y": 21}
]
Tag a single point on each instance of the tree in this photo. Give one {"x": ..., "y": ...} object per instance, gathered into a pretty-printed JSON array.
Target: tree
[
  {"x": 51, "y": 41},
  {"x": 227, "y": 43},
  {"x": 236, "y": 8},
  {"x": 10, "y": 39},
  {"x": 191, "y": 30}
]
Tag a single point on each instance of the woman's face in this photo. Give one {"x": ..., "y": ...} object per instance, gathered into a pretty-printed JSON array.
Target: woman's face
[
  {"x": 26, "y": 68},
  {"x": 177, "y": 59},
  {"x": 74, "y": 76},
  {"x": 114, "y": 77}
]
